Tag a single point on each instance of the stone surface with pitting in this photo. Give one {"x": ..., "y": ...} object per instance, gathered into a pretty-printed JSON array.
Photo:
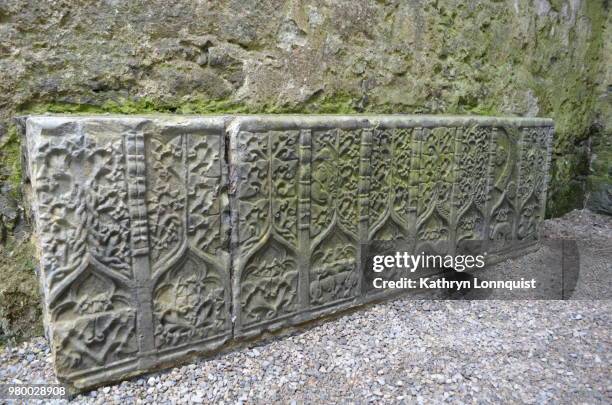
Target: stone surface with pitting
[
  {"x": 547, "y": 58},
  {"x": 160, "y": 237}
]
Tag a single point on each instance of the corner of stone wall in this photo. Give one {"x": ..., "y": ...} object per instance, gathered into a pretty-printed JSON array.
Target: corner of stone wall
[
  {"x": 20, "y": 308},
  {"x": 599, "y": 180}
]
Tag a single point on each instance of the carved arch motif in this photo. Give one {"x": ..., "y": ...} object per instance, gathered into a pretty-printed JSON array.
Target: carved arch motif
[
  {"x": 334, "y": 224},
  {"x": 185, "y": 205},
  {"x": 268, "y": 231}
]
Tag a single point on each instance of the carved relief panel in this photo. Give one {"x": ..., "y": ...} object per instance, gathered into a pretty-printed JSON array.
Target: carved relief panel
[
  {"x": 533, "y": 171},
  {"x": 131, "y": 215},
  {"x": 503, "y": 183},
  {"x": 83, "y": 222},
  {"x": 471, "y": 182},
  {"x": 334, "y": 215},
  {"x": 436, "y": 176},
  {"x": 186, "y": 207},
  {"x": 265, "y": 179},
  {"x": 160, "y": 237},
  {"x": 393, "y": 185}
]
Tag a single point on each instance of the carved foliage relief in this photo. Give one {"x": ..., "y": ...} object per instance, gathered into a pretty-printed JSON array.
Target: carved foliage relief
[
  {"x": 503, "y": 184},
  {"x": 166, "y": 196},
  {"x": 79, "y": 185},
  {"x": 134, "y": 221},
  {"x": 470, "y": 192},
  {"x": 267, "y": 198},
  {"x": 106, "y": 193},
  {"x": 533, "y": 170},
  {"x": 436, "y": 176},
  {"x": 334, "y": 213},
  {"x": 185, "y": 206},
  {"x": 391, "y": 207}
]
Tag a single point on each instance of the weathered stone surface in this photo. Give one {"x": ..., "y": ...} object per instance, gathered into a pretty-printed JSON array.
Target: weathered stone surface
[
  {"x": 599, "y": 182},
  {"x": 492, "y": 57},
  {"x": 133, "y": 242},
  {"x": 134, "y": 217},
  {"x": 310, "y": 191}
]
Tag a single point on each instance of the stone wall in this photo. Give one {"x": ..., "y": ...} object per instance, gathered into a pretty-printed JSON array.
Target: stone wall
[
  {"x": 599, "y": 182},
  {"x": 513, "y": 57}
]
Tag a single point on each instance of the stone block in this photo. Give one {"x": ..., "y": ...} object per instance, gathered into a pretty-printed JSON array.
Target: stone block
[
  {"x": 133, "y": 237},
  {"x": 162, "y": 237},
  {"x": 310, "y": 192}
]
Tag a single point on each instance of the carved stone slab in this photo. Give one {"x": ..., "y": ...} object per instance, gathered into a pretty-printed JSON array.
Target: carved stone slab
[
  {"x": 163, "y": 237},
  {"x": 133, "y": 235},
  {"x": 310, "y": 191}
]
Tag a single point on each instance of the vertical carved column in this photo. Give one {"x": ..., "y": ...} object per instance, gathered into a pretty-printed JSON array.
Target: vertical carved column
[
  {"x": 548, "y": 145},
  {"x": 490, "y": 187},
  {"x": 405, "y": 155},
  {"x": 530, "y": 196},
  {"x": 305, "y": 152},
  {"x": 454, "y": 190},
  {"x": 414, "y": 182},
  {"x": 501, "y": 210},
  {"x": 519, "y": 182},
  {"x": 136, "y": 182},
  {"x": 364, "y": 197}
]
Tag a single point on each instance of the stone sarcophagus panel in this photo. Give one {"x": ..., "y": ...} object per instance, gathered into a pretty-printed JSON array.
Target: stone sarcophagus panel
[
  {"x": 308, "y": 192},
  {"x": 162, "y": 237},
  {"x": 133, "y": 237}
]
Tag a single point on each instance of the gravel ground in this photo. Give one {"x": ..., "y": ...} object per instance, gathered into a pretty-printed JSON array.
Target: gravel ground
[{"x": 402, "y": 351}]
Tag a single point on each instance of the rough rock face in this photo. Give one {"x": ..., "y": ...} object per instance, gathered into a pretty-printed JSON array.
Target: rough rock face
[
  {"x": 526, "y": 58},
  {"x": 599, "y": 185},
  {"x": 134, "y": 218}
]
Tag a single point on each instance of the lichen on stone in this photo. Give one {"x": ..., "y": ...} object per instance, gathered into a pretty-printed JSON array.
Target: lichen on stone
[
  {"x": 20, "y": 311},
  {"x": 548, "y": 58}
]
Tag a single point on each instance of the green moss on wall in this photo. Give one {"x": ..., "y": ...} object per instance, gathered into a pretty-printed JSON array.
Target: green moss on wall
[
  {"x": 434, "y": 57},
  {"x": 20, "y": 311},
  {"x": 10, "y": 168},
  {"x": 333, "y": 104}
]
